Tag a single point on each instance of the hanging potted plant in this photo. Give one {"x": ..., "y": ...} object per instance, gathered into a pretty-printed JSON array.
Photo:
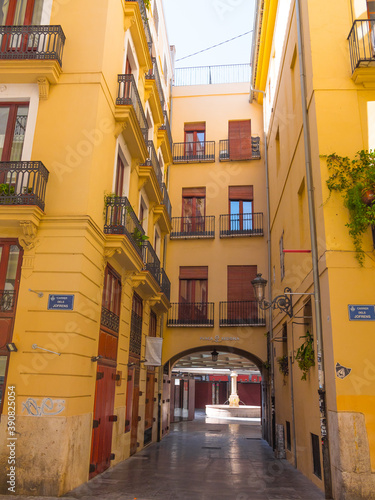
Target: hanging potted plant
[
  {"x": 284, "y": 366},
  {"x": 305, "y": 356},
  {"x": 355, "y": 180}
]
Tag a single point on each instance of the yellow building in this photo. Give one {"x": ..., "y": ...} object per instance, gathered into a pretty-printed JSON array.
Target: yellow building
[
  {"x": 314, "y": 65},
  {"x": 84, "y": 211}
]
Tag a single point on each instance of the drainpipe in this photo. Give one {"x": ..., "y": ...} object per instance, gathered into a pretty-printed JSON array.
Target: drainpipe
[
  {"x": 269, "y": 265},
  {"x": 315, "y": 263}
]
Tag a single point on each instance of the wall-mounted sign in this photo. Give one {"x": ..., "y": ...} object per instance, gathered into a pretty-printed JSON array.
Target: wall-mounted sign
[
  {"x": 60, "y": 302},
  {"x": 361, "y": 313},
  {"x": 219, "y": 339}
]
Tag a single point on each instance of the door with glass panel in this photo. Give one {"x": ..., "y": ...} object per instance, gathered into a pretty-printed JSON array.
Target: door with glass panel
[
  {"x": 20, "y": 13},
  {"x": 193, "y": 213},
  {"x": 193, "y": 295},
  {"x": 13, "y": 119},
  {"x": 10, "y": 269}
]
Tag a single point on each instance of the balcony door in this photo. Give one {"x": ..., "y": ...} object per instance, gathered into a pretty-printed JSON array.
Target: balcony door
[
  {"x": 195, "y": 134},
  {"x": 193, "y": 294},
  {"x": 241, "y": 301},
  {"x": 13, "y": 119},
  {"x": 20, "y": 12},
  {"x": 241, "y": 209},
  {"x": 193, "y": 210}
]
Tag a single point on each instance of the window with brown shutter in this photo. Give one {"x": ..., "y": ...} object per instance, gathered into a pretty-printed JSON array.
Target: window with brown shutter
[
  {"x": 193, "y": 210},
  {"x": 239, "y": 282},
  {"x": 193, "y": 292},
  {"x": 239, "y": 136},
  {"x": 195, "y": 135}
]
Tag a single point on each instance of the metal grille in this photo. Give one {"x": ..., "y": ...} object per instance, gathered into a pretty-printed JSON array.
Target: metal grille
[
  {"x": 154, "y": 75},
  {"x": 153, "y": 160},
  {"x": 193, "y": 227},
  {"x": 232, "y": 225},
  {"x": 151, "y": 260},
  {"x": 362, "y": 43},
  {"x": 110, "y": 320},
  {"x": 165, "y": 284},
  {"x": 32, "y": 42},
  {"x": 167, "y": 127},
  {"x": 166, "y": 201},
  {"x": 194, "y": 152},
  {"x": 191, "y": 314},
  {"x": 241, "y": 313},
  {"x": 224, "y": 150},
  {"x": 128, "y": 95},
  {"x": 206, "y": 75},
  {"x": 24, "y": 183},
  {"x": 7, "y": 300},
  {"x": 135, "y": 334}
]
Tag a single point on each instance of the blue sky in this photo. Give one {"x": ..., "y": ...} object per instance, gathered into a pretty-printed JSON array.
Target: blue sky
[{"x": 194, "y": 25}]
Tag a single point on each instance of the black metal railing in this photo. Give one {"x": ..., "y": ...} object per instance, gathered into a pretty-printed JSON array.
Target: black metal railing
[
  {"x": 110, "y": 320},
  {"x": 362, "y": 43},
  {"x": 7, "y": 300},
  {"x": 23, "y": 183},
  {"x": 32, "y": 42},
  {"x": 120, "y": 218},
  {"x": 191, "y": 314},
  {"x": 146, "y": 26},
  {"x": 153, "y": 74},
  {"x": 241, "y": 313},
  {"x": 241, "y": 225},
  {"x": 224, "y": 150},
  {"x": 167, "y": 201},
  {"x": 135, "y": 342},
  {"x": 193, "y": 227},
  {"x": 167, "y": 127},
  {"x": 151, "y": 260},
  {"x": 128, "y": 95},
  {"x": 193, "y": 152},
  {"x": 206, "y": 75},
  {"x": 165, "y": 284},
  {"x": 153, "y": 161}
]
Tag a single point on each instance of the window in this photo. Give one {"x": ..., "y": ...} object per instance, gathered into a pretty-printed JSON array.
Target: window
[
  {"x": 156, "y": 18},
  {"x": 288, "y": 437},
  {"x": 241, "y": 208},
  {"x": 193, "y": 210},
  {"x": 157, "y": 243},
  {"x": 136, "y": 326},
  {"x": 13, "y": 119},
  {"x": 112, "y": 292},
  {"x": 143, "y": 212},
  {"x": 195, "y": 134},
  {"x": 153, "y": 324},
  {"x": 165, "y": 70},
  {"x": 239, "y": 136},
  {"x": 316, "y": 455},
  {"x": 120, "y": 174},
  {"x": 20, "y": 12},
  {"x": 371, "y": 9},
  {"x": 193, "y": 293},
  {"x": 110, "y": 317}
]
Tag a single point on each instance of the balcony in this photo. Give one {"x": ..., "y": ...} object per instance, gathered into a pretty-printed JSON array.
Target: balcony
[
  {"x": 194, "y": 152},
  {"x": 154, "y": 92},
  {"x": 165, "y": 140},
  {"x": 362, "y": 51},
  {"x": 41, "y": 44},
  {"x": 163, "y": 212},
  {"x": 152, "y": 161},
  {"x": 136, "y": 21},
  {"x": 232, "y": 225},
  {"x": 24, "y": 183},
  {"x": 193, "y": 227},
  {"x": 151, "y": 261},
  {"x": 194, "y": 314},
  {"x": 165, "y": 284},
  {"x": 121, "y": 219},
  {"x": 167, "y": 202},
  {"x": 224, "y": 150},
  {"x": 241, "y": 313},
  {"x": 129, "y": 112}
]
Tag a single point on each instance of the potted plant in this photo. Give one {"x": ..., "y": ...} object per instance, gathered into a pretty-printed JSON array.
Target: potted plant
[
  {"x": 355, "y": 180},
  {"x": 283, "y": 366},
  {"x": 305, "y": 356},
  {"x": 5, "y": 190}
]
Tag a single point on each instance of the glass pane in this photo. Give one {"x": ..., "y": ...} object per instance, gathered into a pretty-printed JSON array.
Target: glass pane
[
  {"x": 200, "y": 291},
  {"x": 200, "y": 142},
  {"x": 247, "y": 208},
  {"x": 10, "y": 279},
  {"x": 4, "y": 114},
  {"x": 189, "y": 137},
  {"x": 234, "y": 215},
  {"x": 19, "y": 134},
  {"x": 37, "y": 14},
  {"x": 19, "y": 15},
  {"x": 199, "y": 207},
  {"x": 3, "y": 365},
  {"x": 4, "y": 4}
]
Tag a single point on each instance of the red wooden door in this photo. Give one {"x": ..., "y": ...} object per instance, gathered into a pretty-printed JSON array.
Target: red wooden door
[
  {"x": 20, "y": 13},
  {"x": 134, "y": 415},
  {"x": 102, "y": 426}
]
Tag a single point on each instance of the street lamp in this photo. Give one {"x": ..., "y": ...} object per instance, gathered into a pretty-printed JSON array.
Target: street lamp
[
  {"x": 282, "y": 302},
  {"x": 214, "y": 355}
]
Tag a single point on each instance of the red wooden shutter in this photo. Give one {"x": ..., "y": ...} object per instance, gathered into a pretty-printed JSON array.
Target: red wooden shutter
[
  {"x": 195, "y": 127},
  {"x": 244, "y": 193},
  {"x": 193, "y": 273},
  {"x": 239, "y": 135},
  {"x": 198, "y": 192},
  {"x": 239, "y": 282}
]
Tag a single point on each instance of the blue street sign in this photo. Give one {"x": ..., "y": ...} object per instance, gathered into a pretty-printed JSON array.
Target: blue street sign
[
  {"x": 60, "y": 302},
  {"x": 361, "y": 313}
]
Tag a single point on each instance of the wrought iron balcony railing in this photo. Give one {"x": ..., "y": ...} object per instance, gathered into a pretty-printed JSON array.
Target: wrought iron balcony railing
[
  {"x": 224, "y": 150},
  {"x": 241, "y": 225},
  {"x": 154, "y": 162},
  {"x": 362, "y": 43},
  {"x": 23, "y": 183},
  {"x": 120, "y": 218},
  {"x": 167, "y": 127},
  {"x": 128, "y": 95},
  {"x": 165, "y": 284},
  {"x": 194, "y": 152},
  {"x": 110, "y": 320},
  {"x": 146, "y": 26},
  {"x": 7, "y": 300},
  {"x": 241, "y": 313},
  {"x": 167, "y": 201},
  {"x": 151, "y": 260},
  {"x": 32, "y": 42},
  {"x": 154, "y": 75},
  {"x": 198, "y": 314},
  {"x": 193, "y": 227},
  {"x": 207, "y": 75}
]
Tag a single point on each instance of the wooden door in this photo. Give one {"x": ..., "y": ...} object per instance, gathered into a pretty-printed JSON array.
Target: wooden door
[
  {"x": 134, "y": 414},
  {"x": 103, "y": 422},
  {"x": 149, "y": 411},
  {"x": 166, "y": 404},
  {"x": 191, "y": 400}
]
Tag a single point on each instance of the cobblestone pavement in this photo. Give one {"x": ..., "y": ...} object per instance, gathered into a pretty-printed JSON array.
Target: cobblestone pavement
[{"x": 201, "y": 460}]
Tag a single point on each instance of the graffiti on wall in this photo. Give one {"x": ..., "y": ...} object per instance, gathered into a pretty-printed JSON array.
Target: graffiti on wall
[{"x": 45, "y": 408}]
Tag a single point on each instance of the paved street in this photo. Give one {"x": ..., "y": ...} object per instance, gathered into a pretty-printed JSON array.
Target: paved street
[{"x": 201, "y": 461}]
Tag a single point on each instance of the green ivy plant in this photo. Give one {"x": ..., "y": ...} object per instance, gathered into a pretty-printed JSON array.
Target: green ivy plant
[
  {"x": 283, "y": 366},
  {"x": 355, "y": 181},
  {"x": 147, "y": 3},
  {"x": 6, "y": 189},
  {"x": 305, "y": 355}
]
